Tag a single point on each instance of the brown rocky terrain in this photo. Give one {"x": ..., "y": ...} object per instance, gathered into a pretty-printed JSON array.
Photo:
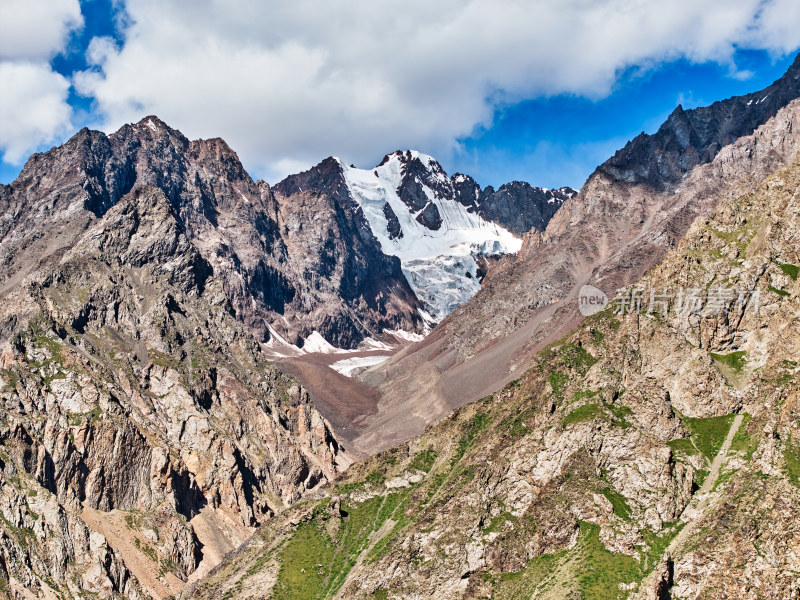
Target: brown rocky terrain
[
  {"x": 650, "y": 453},
  {"x": 143, "y": 435},
  {"x": 301, "y": 264},
  {"x": 518, "y": 206},
  {"x": 144, "y": 432}
]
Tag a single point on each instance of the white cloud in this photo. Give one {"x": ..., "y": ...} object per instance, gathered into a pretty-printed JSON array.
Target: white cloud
[
  {"x": 36, "y": 29},
  {"x": 287, "y": 83},
  {"x": 33, "y": 108},
  {"x": 33, "y": 103}
]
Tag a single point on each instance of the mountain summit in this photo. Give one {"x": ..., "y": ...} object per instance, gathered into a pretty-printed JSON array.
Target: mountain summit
[{"x": 443, "y": 230}]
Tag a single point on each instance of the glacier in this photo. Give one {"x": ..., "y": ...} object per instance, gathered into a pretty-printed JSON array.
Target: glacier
[{"x": 440, "y": 264}]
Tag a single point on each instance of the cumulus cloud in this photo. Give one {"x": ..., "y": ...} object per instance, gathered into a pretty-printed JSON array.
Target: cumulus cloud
[
  {"x": 287, "y": 83},
  {"x": 33, "y": 108},
  {"x": 35, "y": 30},
  {"x": 33, "y": 105}
]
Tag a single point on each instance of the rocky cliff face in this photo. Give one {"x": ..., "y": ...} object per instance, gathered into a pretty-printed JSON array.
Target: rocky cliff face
[
  {"x": 518, "y": 206},
  {"x": 274, "y": 273},
  {"x": 650, "y": 453},
  {"x": 334, "y": 252},
  {"x": 142, "y": 434},
  {"x": 301, "y": 258},
  {"x": 694, "y": 137}
]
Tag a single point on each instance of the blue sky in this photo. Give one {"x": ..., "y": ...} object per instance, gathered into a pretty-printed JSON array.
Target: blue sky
[
  {"x": 541, "y": 91},
  {"x": 559, "y": 141}
]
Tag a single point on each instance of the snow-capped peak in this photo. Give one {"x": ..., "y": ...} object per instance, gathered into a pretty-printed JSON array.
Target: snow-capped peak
[{"x": 410, "y": 205}]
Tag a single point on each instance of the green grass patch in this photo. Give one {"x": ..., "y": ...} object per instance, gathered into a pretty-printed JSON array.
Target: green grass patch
[
  {"x": 601, "y": 571},
  {"x": 375, "y": 478},
  {"x": 299, "y": 577},
  {"x": 700, "y": 476},
  {"x": 478, "y": 423},
  {"x": 162, "y": 360},
  {"x": 515, "y": 426},
  {"x": 134, "y": 520},
  {"x": 780, "y": 292},
  {"x": 708, "y": 434},
  {"x": 576, "y": 357},
  {"x": 587, "y": 412},
  {"x": 10, "y": 377},
  {"x": 790, "y": 270},
  {"x": 423, "y": 461},
  {"x": 791, "y": 463},
  {"x": 787, "y": 376},
  {"x": 735, "y": 361},
  {"x": 618, "y": 501},
  {"x": 621, "y": 414},
  {"x": 583, "y": 394},
  {"x": 76, "y": 419},
  {"x": 558, "y": 381},
  {"x": 44, "y": 341},
  {"x": 497, "y": 522},
  {"x": 730, "y": 237},
  {"x": 682, "y": 446},
  {"x": 146, "y": 549},
  {"x": 743, "y": 443},
  {"x": 657, "y": 544},
  {"x": 522, "y": 584}
]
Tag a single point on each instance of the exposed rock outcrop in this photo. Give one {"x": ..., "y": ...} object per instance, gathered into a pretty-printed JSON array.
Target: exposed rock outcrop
[{"x": 133, "y": 403}]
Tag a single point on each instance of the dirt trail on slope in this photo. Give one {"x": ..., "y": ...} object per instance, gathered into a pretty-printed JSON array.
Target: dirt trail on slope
[
  {"x": 374, "y": 538},
  {"x": 696, "y": 508}
]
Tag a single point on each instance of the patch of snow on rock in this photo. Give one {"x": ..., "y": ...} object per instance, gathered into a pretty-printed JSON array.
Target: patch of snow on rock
[{"x": 348, "y": 366}]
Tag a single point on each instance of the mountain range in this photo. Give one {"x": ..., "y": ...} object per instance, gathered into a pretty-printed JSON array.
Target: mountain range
[{"x": 377, "y": 383}]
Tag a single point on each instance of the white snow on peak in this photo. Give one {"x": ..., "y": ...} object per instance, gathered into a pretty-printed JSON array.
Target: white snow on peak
[
  {"x": 278, "y": 346},
  {"x": 151, "y": 125},
  {"x": 439, "y": 264},
  {"x": 373, "y": 344}
]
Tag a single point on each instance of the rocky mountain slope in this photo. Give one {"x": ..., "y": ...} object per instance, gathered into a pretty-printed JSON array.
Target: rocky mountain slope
[
  {"x": 650, "y": 453},
  {"x": 518, "y": 206},
  {"x": 620, "y": 224},
  {"x": 311, "y": 265},
  {"x": 143, "y": 435},
  {"x": 146, "y": 280}
]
